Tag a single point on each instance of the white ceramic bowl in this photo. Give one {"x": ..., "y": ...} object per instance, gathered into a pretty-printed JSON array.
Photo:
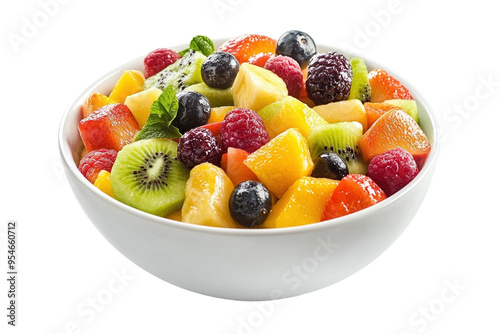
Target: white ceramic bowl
[{"x": 244, "y": 264}]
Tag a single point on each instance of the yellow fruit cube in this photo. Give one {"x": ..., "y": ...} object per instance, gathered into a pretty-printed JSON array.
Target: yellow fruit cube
[
  {"x": 103, "y": 182},
  {"x": 302, "y": 203},
  {"x": 217, "y": 114},
  {"x": 140, "y": 104},
  {"x": 289, "y": 113},
  {"x": 282, "y": 161},
  {"x": 343, "y": 111},
  {"x": 255, "y": 87},
  {"x": 130, "y": 82},
  {"x": 207, "y": 196}
]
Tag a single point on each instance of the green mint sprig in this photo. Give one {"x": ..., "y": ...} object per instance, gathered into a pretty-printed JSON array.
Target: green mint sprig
[
  {"x": 201, "y": 44},
  {"x": 161, "y": 115}
]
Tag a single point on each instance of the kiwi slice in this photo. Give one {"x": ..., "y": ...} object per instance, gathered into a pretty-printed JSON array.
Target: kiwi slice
[
  {"x": 147, "y": 176},
  {"x": 360, "y": 87},
  {"x": 216, "y": 97},
  {"x": 184, "y": 72},
  {"x": 341, "y": 138}
]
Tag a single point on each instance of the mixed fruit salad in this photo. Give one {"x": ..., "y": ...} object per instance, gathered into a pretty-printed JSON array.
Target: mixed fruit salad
[{"x": 257, "y": 133}]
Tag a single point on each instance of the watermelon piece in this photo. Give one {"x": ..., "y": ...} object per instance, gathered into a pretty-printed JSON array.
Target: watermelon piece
[
  {"x": 111, "y": 126},
  {"x": 236, "y": 170}
]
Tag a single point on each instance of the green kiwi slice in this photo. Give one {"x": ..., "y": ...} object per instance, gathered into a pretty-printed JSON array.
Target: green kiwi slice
[
  {"x": 341, "y": 138},
  {"x": 147, "y": 176},
  {"x": 360, "y": 87},
  {"x": 184, "y": 72},
  {"x": 216, "y": 97}
]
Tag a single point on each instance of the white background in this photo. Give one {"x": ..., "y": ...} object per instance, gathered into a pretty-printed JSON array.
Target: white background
[{"x": 449, "y": 52}]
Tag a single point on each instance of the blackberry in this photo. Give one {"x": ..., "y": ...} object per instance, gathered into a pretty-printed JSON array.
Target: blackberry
[
  {"x": 197, "y": 146},
  {"x": 243, "y": 129},
  {"x": 329, "y": 78}
]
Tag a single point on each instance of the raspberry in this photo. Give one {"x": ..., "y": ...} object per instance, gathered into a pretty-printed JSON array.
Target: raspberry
[
  {"x": 329, "y": 78},
  {"x": 157, "y": 60},
  {"x": 243, "y": 129},
  {"x": 95, "y": 161},
  {"x": 289, "y": 70},
  {"x": 197, "y": 146},
  {"x": 393, "y": 170},
  {"x": 260, "y": 59}
]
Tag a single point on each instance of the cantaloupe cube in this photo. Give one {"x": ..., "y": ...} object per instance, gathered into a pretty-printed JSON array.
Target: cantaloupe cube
[
  {"x": 282, "y": 161},
  {"x": 302, "y": 203},
  {"x": 129, "y": 83}
]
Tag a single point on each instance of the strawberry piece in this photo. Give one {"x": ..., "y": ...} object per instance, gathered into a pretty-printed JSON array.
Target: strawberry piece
[
  {"x": 260, "y": 59},
  {"x": 112, "y": 127},
  {"x": 95, "y": 161},
  {"x": 385, "y": 87},
  {"x": 354, "y": 192},
  {"x": 214, "y": 128},
  {"x": 394, "y": 129},
  {"x": 245, "y": 46},
  {"x": 236, "y": 170}
]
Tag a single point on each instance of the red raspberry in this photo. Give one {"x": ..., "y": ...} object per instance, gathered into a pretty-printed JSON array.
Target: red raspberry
[
  {"x": 289, "y": 70},
  {"x": 157, "y": 60},
  {"x": 243, "y": 129},
  {"x": 260, "y": 59},
  {"x": 392, "y": 170},
  {"x": 197, "y": 146},
  {"x": 95, "y": 161}
]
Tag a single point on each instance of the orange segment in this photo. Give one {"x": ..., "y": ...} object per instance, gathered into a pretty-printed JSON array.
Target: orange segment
[
  {"x": 207, "y": 196},
  {"x": 302, "y": 203},
  {"x": 395, "y": 129}
]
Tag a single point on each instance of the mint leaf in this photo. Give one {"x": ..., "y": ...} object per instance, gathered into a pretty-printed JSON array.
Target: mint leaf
[
  {"x": 201, "y": 44},
  {"x": 161, "y": 115}
]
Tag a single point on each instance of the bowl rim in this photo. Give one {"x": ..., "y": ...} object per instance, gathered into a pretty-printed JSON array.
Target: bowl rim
[{"x": 71, "y": 166}]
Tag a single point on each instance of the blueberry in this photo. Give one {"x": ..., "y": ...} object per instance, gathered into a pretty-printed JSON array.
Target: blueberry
[
  {"x": 330, "y": 165},
  {"x": 297, "y": 45},
  {"x": 194, "y": 110},
  {"x": 250, "y": 203},
  {"x": 219, "y": 70}
]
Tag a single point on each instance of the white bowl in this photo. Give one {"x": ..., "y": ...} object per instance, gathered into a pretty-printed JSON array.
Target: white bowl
[{"x": 244, "y": 264}]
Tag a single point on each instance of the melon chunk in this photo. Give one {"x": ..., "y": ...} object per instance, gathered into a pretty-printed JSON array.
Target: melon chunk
[{"x": 282, "y": 161}]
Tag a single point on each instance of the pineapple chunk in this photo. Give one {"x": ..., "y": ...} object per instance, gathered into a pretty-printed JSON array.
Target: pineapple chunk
[
  {"x": 289, "y": 113},
  {"x": 140, "y": 104},
  {"x": 256, "y": 87},
  {"x": 343, "y": 111}
]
